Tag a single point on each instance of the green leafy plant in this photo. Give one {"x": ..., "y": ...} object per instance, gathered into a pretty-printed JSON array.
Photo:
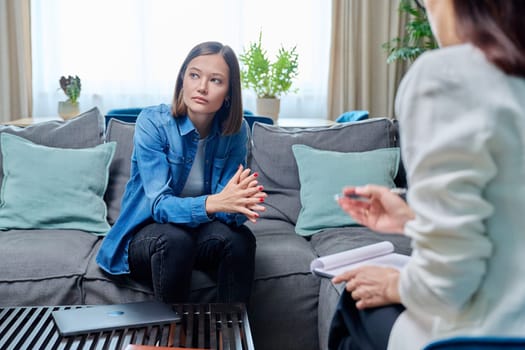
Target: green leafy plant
[
  {"x": 71, "y": 87},
  {"x": 268, "y": 79},
  {"x": 418, "y": 36}
]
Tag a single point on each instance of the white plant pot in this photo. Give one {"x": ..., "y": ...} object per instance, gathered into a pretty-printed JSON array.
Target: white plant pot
[
  {"x": 269, "y": 107},
  {"x": 68, "y": 110}
]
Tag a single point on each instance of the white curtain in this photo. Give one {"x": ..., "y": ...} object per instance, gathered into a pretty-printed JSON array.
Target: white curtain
[
  {"x": 360, "y": 77},
  {"x": 128, "y": 52},
  {"x": 15, "y": 60}
]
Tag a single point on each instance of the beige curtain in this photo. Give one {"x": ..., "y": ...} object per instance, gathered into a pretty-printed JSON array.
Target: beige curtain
[
  {"x": 360, "y": 78},
  {"x": 15, "y": 60}
]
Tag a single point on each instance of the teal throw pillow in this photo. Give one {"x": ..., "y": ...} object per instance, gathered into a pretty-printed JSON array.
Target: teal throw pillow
[
  {"x": 54, "y": 188},
  {"x": 323, "y": 174}
]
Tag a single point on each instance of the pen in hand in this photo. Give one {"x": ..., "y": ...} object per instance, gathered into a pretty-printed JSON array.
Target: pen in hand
[{"x": 400, "y": 191}]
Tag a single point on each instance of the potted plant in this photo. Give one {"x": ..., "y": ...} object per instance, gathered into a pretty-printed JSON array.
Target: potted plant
[
  {"x": 269, "y": 80},
  {"x": 71, "y": 87},
  {"x": 418, "y": 36}
]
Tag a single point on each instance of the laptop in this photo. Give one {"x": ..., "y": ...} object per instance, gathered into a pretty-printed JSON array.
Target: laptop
[{"x": 99, "y": 318}]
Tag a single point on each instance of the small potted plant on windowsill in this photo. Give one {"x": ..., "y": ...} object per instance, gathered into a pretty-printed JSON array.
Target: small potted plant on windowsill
[
  {"x": 269, "y": 80},
  {"x": 71, "y": 87}
]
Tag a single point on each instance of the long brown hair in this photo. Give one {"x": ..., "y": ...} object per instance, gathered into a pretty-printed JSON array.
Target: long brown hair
[
  {"x": 496, "y": 27},
  {"x": 231, "y": 112}
]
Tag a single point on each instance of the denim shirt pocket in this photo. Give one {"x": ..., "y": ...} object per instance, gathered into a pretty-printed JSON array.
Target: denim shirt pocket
[
  {"x": 218, "y": 168},
  {"x": 177, "y": 165}
]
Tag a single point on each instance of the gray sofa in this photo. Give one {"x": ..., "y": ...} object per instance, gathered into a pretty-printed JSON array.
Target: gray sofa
[{"x": 289, "y": 309}]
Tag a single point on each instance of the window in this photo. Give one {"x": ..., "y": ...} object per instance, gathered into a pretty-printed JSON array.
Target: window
[{"x": 128, "y": 52}]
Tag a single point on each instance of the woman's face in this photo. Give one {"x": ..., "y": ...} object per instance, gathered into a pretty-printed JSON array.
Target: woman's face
[
  {"x": 205, "y": 85},
  {"x": 442, "y": 20}
]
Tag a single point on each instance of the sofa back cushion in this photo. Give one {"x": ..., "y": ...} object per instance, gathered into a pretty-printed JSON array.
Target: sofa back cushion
[
  {"x": 122, "y": 133},
  {"x": 272, "y": 156}
]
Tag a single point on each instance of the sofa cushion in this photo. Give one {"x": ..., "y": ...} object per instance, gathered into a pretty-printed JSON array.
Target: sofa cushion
[
  {"x": 102, "y": 288},
  {"x": 323, "y": 174},
  {"x": 282, "y": 255},
  {"x": 266, "y": 227},
  {"x": 272, "y": 156},
  {"x": 53, "y": 188},
  {"x": 43, "y": 267},
  {"x": 85, "y": 130},
  {"x": 121, "y": 133},
  {"x": 339, "y": 239}
]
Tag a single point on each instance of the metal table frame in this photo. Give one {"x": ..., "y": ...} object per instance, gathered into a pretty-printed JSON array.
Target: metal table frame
[{"x": 208, "y": 326}]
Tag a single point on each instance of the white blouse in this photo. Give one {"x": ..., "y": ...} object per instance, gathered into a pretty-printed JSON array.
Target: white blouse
[{"x": 462, "y": 136}]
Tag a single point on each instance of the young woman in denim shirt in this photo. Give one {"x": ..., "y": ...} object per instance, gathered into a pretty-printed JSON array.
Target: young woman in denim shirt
[{"x": 189, "y": 192}]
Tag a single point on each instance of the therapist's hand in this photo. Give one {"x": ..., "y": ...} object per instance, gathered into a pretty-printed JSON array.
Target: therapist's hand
[
  {"x": 379, "y": 209},
  {"x": 371, "y": 286}
]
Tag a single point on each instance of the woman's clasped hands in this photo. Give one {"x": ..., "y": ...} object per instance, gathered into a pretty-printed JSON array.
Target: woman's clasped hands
[{"x": 242, "y": 194}]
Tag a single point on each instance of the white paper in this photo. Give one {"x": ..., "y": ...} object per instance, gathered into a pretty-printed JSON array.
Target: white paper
[{"x": 381, "y": 253}]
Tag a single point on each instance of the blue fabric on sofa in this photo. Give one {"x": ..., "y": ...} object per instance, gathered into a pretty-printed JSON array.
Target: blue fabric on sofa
[
  {"x": 352, "y": 116},
  {"x": 251, "y": 119},
  {"x": 128, "y": 115}
]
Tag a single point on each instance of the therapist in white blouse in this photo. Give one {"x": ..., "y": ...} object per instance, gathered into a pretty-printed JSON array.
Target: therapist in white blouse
[{"x": 461, "y": 111}]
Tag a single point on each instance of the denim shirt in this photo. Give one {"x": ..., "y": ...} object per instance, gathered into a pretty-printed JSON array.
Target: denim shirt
[{"x": 163, "y": 153}]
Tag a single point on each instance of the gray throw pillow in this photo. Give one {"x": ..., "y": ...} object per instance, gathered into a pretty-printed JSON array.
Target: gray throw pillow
[
  {"x": 84, "y": 131},
  {"x": 119, "y": 171},
  {"x": 272, "y": 156}
]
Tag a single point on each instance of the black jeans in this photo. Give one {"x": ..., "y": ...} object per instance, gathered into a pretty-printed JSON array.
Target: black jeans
[
  {"x": 166, "y": 254},
  {"x": 367, "y": 329}
]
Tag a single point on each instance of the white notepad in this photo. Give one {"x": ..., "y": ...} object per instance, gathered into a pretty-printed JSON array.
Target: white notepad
[
  {"x": 381, "y": 254},
  {"x": 99, "y": 318}
]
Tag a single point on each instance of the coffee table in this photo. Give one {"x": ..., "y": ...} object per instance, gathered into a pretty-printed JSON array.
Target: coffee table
[{"x": 207, "y": 326}]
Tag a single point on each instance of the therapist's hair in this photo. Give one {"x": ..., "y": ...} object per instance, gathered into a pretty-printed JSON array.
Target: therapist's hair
[
  {"x": 231, "y": 112},
  {"x": 496, "y": 27}
]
